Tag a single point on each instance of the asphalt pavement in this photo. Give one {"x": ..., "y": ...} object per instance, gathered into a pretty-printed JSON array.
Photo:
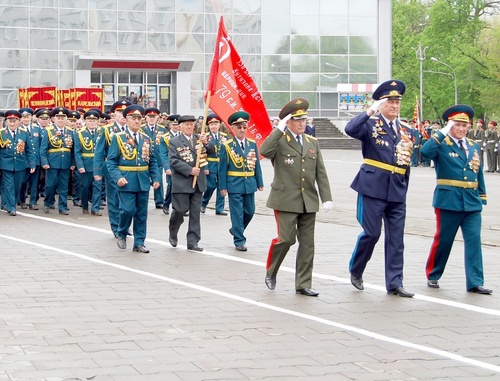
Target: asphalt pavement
[{"x": 73, "y": 306}]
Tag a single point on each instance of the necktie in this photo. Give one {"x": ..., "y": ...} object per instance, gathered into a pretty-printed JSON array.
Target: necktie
[
  {"x": 14, "y": 136},
  {"x": 299, "y": 140},
  {"x": 462, "y": 147},
  {"x": 61, "y": 132},
  {"x": 135, "y": 138},
  {"x": 393, "y": 129},
  {"x": 242, "y": 147}
]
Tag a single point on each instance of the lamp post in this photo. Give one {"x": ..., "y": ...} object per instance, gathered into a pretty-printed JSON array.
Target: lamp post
[
  {"x": 421, "y": 57},
  {"x": 452, "y": 74}
]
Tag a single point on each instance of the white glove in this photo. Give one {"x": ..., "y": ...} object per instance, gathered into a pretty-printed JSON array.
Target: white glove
[
  {"x": 376, "y": 105},
  {"x": 328, "y": 206},
  {"x": 447, "y": 128},
  {"x": 282, "y": 122}
]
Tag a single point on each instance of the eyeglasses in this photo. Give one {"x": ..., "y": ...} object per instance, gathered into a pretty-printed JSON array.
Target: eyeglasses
[{"x": 239, "y": 127}]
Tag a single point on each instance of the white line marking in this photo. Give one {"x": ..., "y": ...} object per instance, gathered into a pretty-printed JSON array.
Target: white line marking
[
  {"x": 360, "y": 331},
  {"x": 430, "y": 299}
]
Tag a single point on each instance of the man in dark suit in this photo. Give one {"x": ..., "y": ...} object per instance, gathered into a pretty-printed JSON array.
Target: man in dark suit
[
  {"x": 458, "y": 198},
  {"x": 132, "y": 167},
  {"x": 382, "y": 183},
  {"x": 298, "y": 168},
  {"x": 187, "y": 159}
]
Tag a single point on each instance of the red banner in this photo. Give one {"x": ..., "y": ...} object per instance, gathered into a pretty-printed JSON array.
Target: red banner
[
  {"x": 87, "y": 98},
  {"x": 38, "y": 97},
  {"x": 416, "y": 118},
  {"x": 232, "y": 88},
  {"x": 64, "y": 98}
]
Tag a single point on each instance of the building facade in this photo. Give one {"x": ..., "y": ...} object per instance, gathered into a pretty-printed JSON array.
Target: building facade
[{"x": 162, "y": 49}]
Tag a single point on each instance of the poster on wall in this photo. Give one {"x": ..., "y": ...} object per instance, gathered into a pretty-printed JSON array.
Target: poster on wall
[
  {"x": 149, "y": 99},
  {"x": 355, "y": 97},
  {"x": 109, "y": 94},
  {"x": 122, "y": 92}
]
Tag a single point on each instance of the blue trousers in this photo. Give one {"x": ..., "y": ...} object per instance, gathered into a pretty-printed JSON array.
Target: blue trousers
[
  {"x": 57, "y": 179},
  {"x": 213, "y": 185},
  {"x": 30, "y": 186},
  {"x": 113, "y": 204},
  {"x": 90, "y": 188},
  {"x": 242, "y": 209},
  {"x": 168, "y": 194},
  {"x": 11, "y": 186},
  {"x": 134, "y": 207},
  {"x": 370, "y": 214}
]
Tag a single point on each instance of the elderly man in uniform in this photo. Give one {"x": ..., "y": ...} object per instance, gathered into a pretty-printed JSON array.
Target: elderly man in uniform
[
  {"x": 155, "y": 132},
  {"x": 382, "y": 184},
  {"x": 16, "y": 153},
  {"x": 106, "y": 133},
  {"x": 186, "y": 196},
  {"x": 298, "y": 168},
  {"x": 477, "y": 134},
  {"x": 132, "y": 167},
  {"x": 56, "y": 155},
  {"x": 173, "y": 131},
  {"x": 85, "y": 140},
  {"x": 240, "y": 176},
  {"x": 212, "y": 171},
  {"x": 459, "y": 197}
]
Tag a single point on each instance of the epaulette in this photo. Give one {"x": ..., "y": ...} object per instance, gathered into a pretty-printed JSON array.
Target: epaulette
[
  {"x": 311, "y": 137},
  {"x": 222, "y": 133},
  {"x": 108, "y": 125},
  {"x": 68, "y": 128},
  {"x": 81, "y": 129},
  {"x": 251, "y": 140},
  {"x": 2, "y": 129},
  {"x": 228, "y": 141},
  {"x": 50, "y": 127},
  {"x": 405, "y": 124},
  {"x": 121, "y": 133},
  {"x": 22, "y": 128}
]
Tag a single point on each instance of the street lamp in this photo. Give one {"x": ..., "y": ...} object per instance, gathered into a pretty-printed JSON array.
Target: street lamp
[
  {"x": 452, "y": 74},
  {"x": 421, "y": 57}
]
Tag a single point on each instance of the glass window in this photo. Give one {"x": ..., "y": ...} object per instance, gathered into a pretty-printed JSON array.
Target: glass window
[
  {"x": 253, "y": 64},
  {"x": 334, "y": 64},
  {"x": 14, "y": 79},
  {"x": 363, "y": 64},
  {"x": 247, "y": 24},
  {"x": 189, "y": 23},
  {"x": 17, "y": 17},
  {"x": 103, "y": 4},
  {"x": 363, "y": 26},
  {"x": 44, "y": 77},
  {"x": 43, "y": 39},
  {"x": 363, "y": 78},
  {"x": 312, "y": 98},
  {"x": 66, "y": 60},
  {"x": 161, "y": 5},
  {"x": 333, "y": 26},
  {"x": 334, "y": 45},
  {"x": 15, "y": 38},
  {"x": 305, "y": 63},
  {"x": 331, "y": 80},
  {"x": 132, "y": 42},
  {"x": 132, "y": 21},
  {"x": 306, "y": 25},
  {"x": 363, "y": 45},
  {"x": 276, "y": 7},
  {"x": 102, "y": 41},
  {"x": 329, "y": 101},
  {"x": 43, "y": 18},
  {"x": 276, "y": 44},
  {"x": 95, "y": 77},
  {"x": 132, "y": 5},
  {"x": 276, "y": 63},
  {"x": 136, "y": 77},
  {"x": 161, "y": 42},
  {"x": 108, "y": 77},
  {"x": 15, "y": 58},
  {"x": 74, "y": 4},
  {"x": 71, "y": 39},
  {"x": 304, "y": 82},
  {"x": 73, "y": 19},
  {"x": 189, "y": 6},
  {"x": 305, "y": 45},
  {"x": 249, "y": 44},
  {"x": 189, "y": 42},
  {"x": 123, "y": 77},
  {"x": 161, "y": 22},
  {"x": 9, "y": 98},
  {"x": 241, "y": 6},
  {"x": 151, "y": 77},
  {"x": 164, "y": 77},
  {"x": 103, "y": 20},
  {"x": 65, "y": 79},
  {"x": 302, "y": 8},
  {"x": 363, "y": 7},
  {"x": 44, "y": 59},
  {"x": 337, "y": 8},
  {"x": 276, "y": 100},
  {"x": 275, "y": 82},
  {"x": 275, "y": 25}
]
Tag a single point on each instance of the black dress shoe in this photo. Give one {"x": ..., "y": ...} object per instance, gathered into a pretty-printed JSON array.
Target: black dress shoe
[
  {"x": 129, "y": 232},
  {"x": 357, "y": 282},
  {"x": 203, "y": 209},
  {"x": 165, "y": 210},
  {"x": 103, "y": 203},
  {"x": 270, "y": 282},
  {"x": 186, "y": 214},
  {"x": 231, "y": 231},
  {"x": 480, "y": 290},
  {"x": 241, "y": 248},
  {"x": 400, "y": 291},
  {"x": 64, "y": 211},
  {"x": 46, "y": 210},
  {"x": 140, "y": 249},
  {"x": 306, "y": 292},
  {"x": 159, "y": 206},
  {"x": 173, "y": 241},
  {"x": 24, "y": 206},
  {"x": 12, "y": 213},
  {"x": 121, "y": 243},
  {"x": 195, "y": 248},
  {"x": 221, "y": 213},
  {"x": 33, "y": 207},
  {"x": 77, "y": 203},
  {"x": 432, "y": 283}
]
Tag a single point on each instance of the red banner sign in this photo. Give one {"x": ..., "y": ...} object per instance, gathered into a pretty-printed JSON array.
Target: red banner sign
[
  {"x": 232, "y": 88},
  {"x": 87, "y": 98},
  {"x": 38, "y": 97}
]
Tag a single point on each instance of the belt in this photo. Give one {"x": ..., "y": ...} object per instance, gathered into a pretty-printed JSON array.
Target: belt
[
  {"x": 491, "y": 141},
  {"x": 458, "y": 183},
  {"x": 52, "y": 150},
  {"x": 240, "y": 174},
  {"x": 216, "y": 159},
  {"x": 132, "y": 169},
  {"x": 87, "y": 155},
  {"x": 387, "y": 167}
]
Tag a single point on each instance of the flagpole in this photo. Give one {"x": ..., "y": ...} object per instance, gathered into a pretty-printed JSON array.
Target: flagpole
[{"x": 203, "y": 127}]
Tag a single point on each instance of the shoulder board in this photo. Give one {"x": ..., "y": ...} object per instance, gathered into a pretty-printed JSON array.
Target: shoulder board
[
  {"x": 108, "y": 125},
  {"x": 143, "y": 125},
  {"x": 81, "y": 129},
  {"x": 121, "y": 133},
  {"x": 374, "y": 117},
  {"x": 68, "y": 128},
  {"x": 143, "y": 133},
  {"x": 405, "y": 124},
  {"x": 23, "y": 129},
  {"x": 2, "y": 129},
  {"x": 311, "y": 137},
  {"x": 228, "y": 141},
  {"x": 50, "y": 127},
  {"x": 251, "y": 140},
  {"x": 223, "y": 133}
]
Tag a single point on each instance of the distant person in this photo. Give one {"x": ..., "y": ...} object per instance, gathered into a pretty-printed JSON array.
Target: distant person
[{"x": 310, "y": 127}]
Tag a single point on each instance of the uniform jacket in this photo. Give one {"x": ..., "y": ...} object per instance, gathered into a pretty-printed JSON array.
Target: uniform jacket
[
  {"x": 490, "y": 139},
  {"x": 297, "y": 170},
  {"x": 156, "y": 136},
  {"x": 378, "y": 142},
  {"x": 18, "y": 154},
  {"x": 477, "y": 135},
  {"x": 240, "y": 171},
  {"x": 182, "y": 157},
  {"x": 218, "y": 141},
  {"x": 56, "y": 150},
  {"x": 163, "y": 151},
  {"x": 101, "y": 148},
  {"x": 35, "y": 133},
  {"x": 450, "y": 163},
  {"x": 85, "y": 148},
  {"x": 126, "y": 158}
]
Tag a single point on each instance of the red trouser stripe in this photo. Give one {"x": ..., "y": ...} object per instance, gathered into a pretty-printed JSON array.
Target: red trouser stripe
[
  {"x": 274, "y": 241},
  {"x": 432, "y": 255}
]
